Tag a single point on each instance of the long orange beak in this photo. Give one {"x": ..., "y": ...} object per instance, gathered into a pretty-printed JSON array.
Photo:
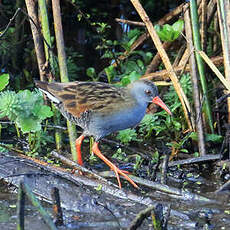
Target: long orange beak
[{"x": 159, "y": 102}]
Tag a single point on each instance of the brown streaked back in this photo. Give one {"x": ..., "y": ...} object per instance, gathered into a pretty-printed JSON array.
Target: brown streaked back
[{"x": 79, "y": 97}]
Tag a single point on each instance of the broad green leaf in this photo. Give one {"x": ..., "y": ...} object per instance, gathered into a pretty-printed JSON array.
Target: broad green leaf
[
  {"x": 29, "y": 124},
  {"x": 178, "y": 26},
  {"x": 133, "y": 33},
  {"x": 8, "y": 102},
  {"x": 125, "y": 81},
  {"x": 213, "y": 138},
  {"x": 4, "y": 80},
  {"x": 131, "y": 41},
  {"x": 140, "y": 64},
  {"x": 42, "y": 112},
  {"x": 134, "y": 76},
  {"x": 170, "y": 33},
  {"x": 148, "y": 57},
  {"x": 26, "y": 108}
]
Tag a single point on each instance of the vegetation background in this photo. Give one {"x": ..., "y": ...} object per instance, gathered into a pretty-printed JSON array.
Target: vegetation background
[{"x": 101, "y": 46}]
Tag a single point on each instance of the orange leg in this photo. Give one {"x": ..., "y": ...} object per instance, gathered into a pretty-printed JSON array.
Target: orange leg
[
  {"x": 117, "y": 171},
  {"x": 78, "y": 143}
]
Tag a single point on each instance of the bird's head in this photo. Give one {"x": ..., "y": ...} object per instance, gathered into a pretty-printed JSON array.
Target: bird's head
[{"x": 146, "y": 91}]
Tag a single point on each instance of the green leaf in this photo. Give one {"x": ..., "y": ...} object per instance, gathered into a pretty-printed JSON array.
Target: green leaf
[
  {"x": 208, "y": 137},
  {"x": 129, "y": 44},
  {"x": 178, "y": 26},
  {"x": 91, "y": 72},
  {"x": 107, "y": 54},
  {"x": 214, "y": 138},
  {"x": 42, "y": 111},
  {"x": 125, "y": 81},
  {"x": 133, "y": 76},
  {"x": 4, "y": 80},
  {"x": 29, "y": 124},
  {"x": 79, "y": 17},
  {"x": 127, "y": 135},
  {"x": 148, "y": 57},
  {"x": 133, "y": 33},
  {"x": 177, "y": 125},
  {"x": 110, "y": 72},
  {"x": 8, "y": 103},
  {"x": 140, "y": 64},
  {"x": 170, "y": 33}
]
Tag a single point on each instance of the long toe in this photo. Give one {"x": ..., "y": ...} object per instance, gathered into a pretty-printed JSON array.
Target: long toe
[
  {"x": 117, "y": 171},
  {"x": 121, "y": 172}
]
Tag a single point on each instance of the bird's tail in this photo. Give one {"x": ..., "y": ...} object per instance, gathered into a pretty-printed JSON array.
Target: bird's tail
[{"x": 43, "y": 86}]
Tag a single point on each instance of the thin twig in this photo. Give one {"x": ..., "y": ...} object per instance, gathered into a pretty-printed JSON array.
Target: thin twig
[
  {"x": 141, "y": 216},
  {"x": 165, "y": 169},
  {"x": 129, "y": 22},
  {"x": 10, "y": 22},
  {"x": 196, "y": 160},
  {"x": 224, "y": 188}
]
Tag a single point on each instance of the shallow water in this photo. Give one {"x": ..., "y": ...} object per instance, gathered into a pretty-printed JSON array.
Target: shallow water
[{"x": 211, "y": 216}]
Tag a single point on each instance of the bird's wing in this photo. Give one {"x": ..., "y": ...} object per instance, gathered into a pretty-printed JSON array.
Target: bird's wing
[{"x": 79, "y": 97}]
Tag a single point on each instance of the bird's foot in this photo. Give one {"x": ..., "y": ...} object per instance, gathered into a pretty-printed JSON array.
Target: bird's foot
[
  {"x": 123, "y": 173},
  {"x": 117, "y": 171}
]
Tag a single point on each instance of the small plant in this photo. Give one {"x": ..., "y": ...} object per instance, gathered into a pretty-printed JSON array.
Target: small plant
[
  {"x": 90, "y": 72},
  {"x": 129, "y": 68},
  {"x": 120, "y": 155},
  {"x": 168, "y": 32},
  {"x": 25, "y": 108},
  {"x": 127, "y": 135}
]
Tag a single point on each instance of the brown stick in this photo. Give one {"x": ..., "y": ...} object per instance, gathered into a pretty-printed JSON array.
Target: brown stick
[
  {"x": 203, "y": 29},
  {"x": 129, "y": 22},
  {"x": 211, "y": 11},
  {"x": 172, "y": 14},
  {"x": 225, "y": 33},
  {"x": 195, "y": 84},
  {"x": 36, "y": 32},
  {"x": 157, "y": 59},
  {"x": 224, "y": 188},
  {"x": 179, "y": 56},
  {"x": 141, "y": 216},
  {"x": 63, "y": 66},
  {"x": 196, "y": 160}
]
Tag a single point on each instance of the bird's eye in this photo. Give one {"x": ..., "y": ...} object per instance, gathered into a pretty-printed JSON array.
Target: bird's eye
[{"x": 148, "y": 92}]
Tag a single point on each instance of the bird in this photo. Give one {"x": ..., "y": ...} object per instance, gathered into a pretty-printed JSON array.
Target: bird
[{"x": 101, "y": 109}]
